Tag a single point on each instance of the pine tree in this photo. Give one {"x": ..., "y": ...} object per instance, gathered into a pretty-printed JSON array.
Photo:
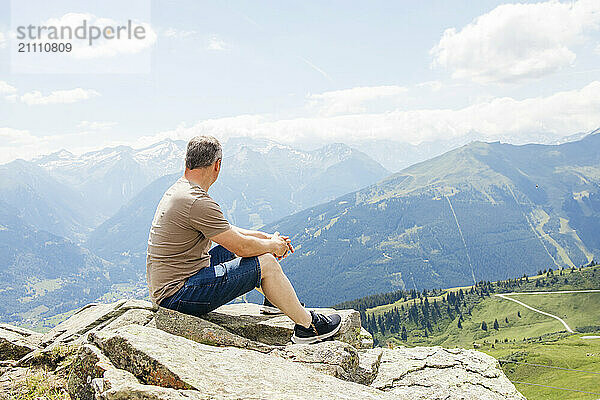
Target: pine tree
[
  {"x": 404, "y": 334},
  {"x": 483, "y": 326},
  {"x": 460, "y": 323},
  {"x": 496, "y": 324}
]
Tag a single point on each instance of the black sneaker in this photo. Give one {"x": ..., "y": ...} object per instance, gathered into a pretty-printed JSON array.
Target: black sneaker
[
  {"x": 321, "y": 328},
  {"x": 269, "y": 308}
]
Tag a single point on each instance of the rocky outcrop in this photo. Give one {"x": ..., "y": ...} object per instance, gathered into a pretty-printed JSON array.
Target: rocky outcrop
[
  {"x": 438, "y": 373},
  {"x": 129, "y": 350},
  {"x": 92, "y": 317},
  {"x": 17, "y": 342}
]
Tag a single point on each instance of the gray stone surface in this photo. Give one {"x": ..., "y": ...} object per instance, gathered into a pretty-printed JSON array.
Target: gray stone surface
[
  {"x": 203, "y": 331},
  {"x": 93, "y": 316},
  {"x": 368, "y": 366},
  {"x": 158, "y": 358},
  {"x": 335, "y": 358},
  {"x": 94, "y": 377},
  {"x": 89, "y": 365},
  {"x": 117, "y": 384},
  {"x": 438, "y": 373},
  {"x": 237, "y": 353},
  {"x": 139, "y": 316},
  {"x": 365, "y": 339},
  {"x": 16, "y": 342}
]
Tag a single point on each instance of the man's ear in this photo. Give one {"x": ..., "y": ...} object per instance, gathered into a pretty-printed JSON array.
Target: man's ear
[{"x": 218, "y": 165}]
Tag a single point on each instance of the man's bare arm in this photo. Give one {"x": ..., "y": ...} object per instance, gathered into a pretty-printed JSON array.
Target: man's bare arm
[
  {"x": 249, "y": 232},
  {"x": 264, "y": 235},
  {"x": 249, "y": 246}
]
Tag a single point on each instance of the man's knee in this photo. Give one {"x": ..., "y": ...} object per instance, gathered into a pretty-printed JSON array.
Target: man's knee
[{"x": 268, "y": 265}]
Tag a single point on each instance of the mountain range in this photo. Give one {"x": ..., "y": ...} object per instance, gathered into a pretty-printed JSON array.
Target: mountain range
[
  {"x": 90, "y": 214},
  {"x": 479, "y": 212},
  {"x": 484, "y": 211}
]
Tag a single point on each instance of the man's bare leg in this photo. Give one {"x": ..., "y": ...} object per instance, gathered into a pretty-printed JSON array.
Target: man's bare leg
[{"x": 279, "y": 291}]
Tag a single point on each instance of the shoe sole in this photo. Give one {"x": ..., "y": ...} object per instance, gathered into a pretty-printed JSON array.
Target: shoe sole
[
  {"x": 270, "y": 310},
  {"x": 315, "y": 339}
]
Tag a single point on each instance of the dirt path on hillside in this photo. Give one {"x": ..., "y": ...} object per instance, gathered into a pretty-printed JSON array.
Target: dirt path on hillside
[{"x": 506, "y": 297}]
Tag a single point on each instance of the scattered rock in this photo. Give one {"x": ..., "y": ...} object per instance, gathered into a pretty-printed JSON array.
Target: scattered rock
[
  {"x": 437, "y": 373},
  {"x": 16, "y": 342},
  {"x": 203, "y": 331},
  {"x": 129, "y": 350}
]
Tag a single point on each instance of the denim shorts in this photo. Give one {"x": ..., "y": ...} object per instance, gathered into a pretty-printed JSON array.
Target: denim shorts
[{"x": 226, "y": 278}]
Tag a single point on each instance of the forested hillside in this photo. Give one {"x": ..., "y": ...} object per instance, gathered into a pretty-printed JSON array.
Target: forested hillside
[{"x": 485, "y": 211}]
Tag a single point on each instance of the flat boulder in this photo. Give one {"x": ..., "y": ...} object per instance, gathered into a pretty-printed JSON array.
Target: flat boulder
[
  {"x": 94, "y": 316},
  {"x": 203, "y": 331},
  {"x": 438, "y": 373},
  {"x": 158, "y": 358}
]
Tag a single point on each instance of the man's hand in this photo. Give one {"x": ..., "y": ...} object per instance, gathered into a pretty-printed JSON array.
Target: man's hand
[
  {"x": 289, "y": 248},
  {"x": 280, "y": 245}
]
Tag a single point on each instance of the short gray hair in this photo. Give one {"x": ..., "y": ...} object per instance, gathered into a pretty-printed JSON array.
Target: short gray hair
[{"x": 202, "y": 151}]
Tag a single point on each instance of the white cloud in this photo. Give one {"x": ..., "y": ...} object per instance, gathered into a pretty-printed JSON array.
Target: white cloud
[
  {"x": 2, "y": 40},
  {"x": 216, "y": 44},
  {"x": 517, "y": 41},
  {"x": 434, "y": 86},
  {"x": 505, "y": 118},
  {"x": 58, "y": 96},
  {"x": 500, "y": 118},
  {"x": 96, "y": 125},
  {"x": 350, "y": 101},
  {"x": 17, "y": 143},
  {"x": 597, "y": 49},
  {"x": 14, "y": 137},
  {"x": 102, "y": 47},
  {"x": 178, "y": 33},
  {"x": 7, "y": 89}
]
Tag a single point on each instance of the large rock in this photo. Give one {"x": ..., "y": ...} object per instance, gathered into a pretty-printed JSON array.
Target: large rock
[
  {"x": 335, "y": 358},
  {"x": 368, "y": 366},
  {"x": 246, "y": 320},
  {"x": 93, "y": 376},
  {"x": 365, "y": 339},
  {"x": 16, "y": 342},
  {"x": 203, "y": 331},
  {"x": 158, "y": 358},
  {"x": 438, "y": 373},
  {"x": 117, "y": 384},
  {"x": 94, "y": 316}
]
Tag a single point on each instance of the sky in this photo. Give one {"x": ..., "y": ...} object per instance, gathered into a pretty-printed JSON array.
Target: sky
[{"x": 302, "y": 73}]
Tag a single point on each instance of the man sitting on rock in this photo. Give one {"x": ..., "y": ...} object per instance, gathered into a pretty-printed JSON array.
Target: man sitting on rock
[{"x": 185, "y": 276}]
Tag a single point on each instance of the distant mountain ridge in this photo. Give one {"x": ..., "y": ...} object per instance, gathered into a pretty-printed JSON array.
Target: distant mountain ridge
[
  {"x": 256, "y": 185},
  {"x": 485, "y": 211},
  {"x": 75, "y": 227}
]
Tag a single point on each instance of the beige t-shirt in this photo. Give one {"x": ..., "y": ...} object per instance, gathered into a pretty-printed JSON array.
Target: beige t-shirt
[{"x": 185, "y": 220}]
